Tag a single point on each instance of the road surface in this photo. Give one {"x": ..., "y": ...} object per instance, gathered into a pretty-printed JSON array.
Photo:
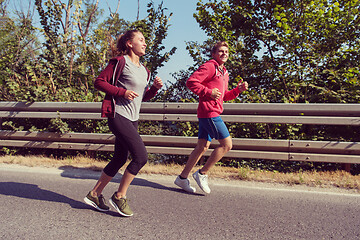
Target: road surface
[{"x": 47, "y": 203}]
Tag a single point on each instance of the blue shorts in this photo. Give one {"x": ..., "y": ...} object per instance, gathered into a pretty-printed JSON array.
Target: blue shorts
[{"x": 210, "y": 128}]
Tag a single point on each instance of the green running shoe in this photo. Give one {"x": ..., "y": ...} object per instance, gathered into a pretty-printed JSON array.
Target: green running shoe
[
  {"x": 96, "y": 202},
  {"x": 121, "y": 205}
]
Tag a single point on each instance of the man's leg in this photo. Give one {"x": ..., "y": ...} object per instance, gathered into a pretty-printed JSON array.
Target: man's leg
[
  {"x": 200, "y": 176},
  {"x": 217, "y": 154},
  {"x": 194, "y": 157}
]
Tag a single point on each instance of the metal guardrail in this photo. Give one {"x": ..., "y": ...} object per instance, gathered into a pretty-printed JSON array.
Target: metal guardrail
[
  {"x": 323, "y": 114},
  {"x": 287, "y": 150}
]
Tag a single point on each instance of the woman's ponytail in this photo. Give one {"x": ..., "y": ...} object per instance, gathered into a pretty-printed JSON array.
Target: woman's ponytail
[{"x": 120, "y": 47}]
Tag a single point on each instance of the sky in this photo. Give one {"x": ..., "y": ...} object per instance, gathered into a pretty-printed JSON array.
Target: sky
[{"x": 183, "y": 28}]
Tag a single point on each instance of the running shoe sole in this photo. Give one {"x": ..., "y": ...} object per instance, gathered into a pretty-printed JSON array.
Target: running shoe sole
[
  {"x": 118, "y": 210},
  {"x": 91, "y": 203}
]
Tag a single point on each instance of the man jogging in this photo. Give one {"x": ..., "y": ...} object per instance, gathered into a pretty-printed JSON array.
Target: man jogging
[{"x": 210, "y": 83}]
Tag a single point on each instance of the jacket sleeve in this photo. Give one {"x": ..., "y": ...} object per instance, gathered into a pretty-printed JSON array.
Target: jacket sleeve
[
  {"x": 103, "y": 81},
  {"x": 150, "y": 93},
  {"x": 195, "y": 81},
  {"x": 232, "y": 94}
]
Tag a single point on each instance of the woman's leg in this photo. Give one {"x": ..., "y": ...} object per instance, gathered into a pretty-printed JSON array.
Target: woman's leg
[
  {"x": 119, "y": 158},
  {"x": 126, "y": 180},
  {"x": 139, "y": 155},
  {"x": 100, "y": 184},
  {"x": 139, "y": 159},
  {"x": 130, "y": 140}
]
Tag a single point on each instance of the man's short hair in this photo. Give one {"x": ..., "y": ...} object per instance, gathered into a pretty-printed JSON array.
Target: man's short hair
[{"x": 218, "y": 45}]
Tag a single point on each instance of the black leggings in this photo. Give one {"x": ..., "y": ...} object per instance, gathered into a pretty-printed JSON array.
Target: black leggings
[{"x": 127, "y": 139}]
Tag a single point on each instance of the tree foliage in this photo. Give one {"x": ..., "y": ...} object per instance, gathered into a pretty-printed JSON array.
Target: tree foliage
[
  {"x": 155, "y": 28},
  {"x": 288, "y": 51},
  {"x": 59, "y": 60},
  {"x": 18, "y": 63}
]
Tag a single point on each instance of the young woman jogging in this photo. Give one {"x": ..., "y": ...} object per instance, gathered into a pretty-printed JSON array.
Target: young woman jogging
[{"x": 125, "y": 82}]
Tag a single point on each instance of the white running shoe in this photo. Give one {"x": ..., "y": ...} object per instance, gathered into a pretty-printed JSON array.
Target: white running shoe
[
  {"x": 202, "y": 181},
  {"x": 184, "y": 184}
]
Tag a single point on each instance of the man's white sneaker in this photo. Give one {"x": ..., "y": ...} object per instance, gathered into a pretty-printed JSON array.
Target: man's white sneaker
[
  {"x": 202, "y": 181},
  {"x": 184, "y": 184}
]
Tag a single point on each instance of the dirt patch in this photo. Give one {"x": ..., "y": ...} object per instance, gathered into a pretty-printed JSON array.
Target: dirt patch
[{"x": 333, "y": 179}]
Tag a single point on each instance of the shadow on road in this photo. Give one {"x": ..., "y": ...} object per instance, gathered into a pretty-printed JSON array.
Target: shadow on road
[
  {"x": 85, "y": 173},
  {"x": 32, "y": 191}
]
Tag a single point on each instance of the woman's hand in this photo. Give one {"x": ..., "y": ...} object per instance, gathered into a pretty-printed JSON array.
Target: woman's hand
[
  {"x": 158, "y": 83},
  {"x": 130, "y": 95}
]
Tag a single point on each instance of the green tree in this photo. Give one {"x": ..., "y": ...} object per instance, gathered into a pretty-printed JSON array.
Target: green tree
[
  {"x": 289, "y": 51},
  {"x": 68, "y": 62},
  {"x": 18, "y": 55},
  {"x": 74, "y": 49},
  {"x": 319, "y": 50},
  {"x": 154, "y": 28}
]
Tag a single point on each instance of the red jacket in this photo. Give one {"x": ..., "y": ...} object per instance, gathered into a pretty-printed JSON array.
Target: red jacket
[
  {"x": 106, "y": 81},
  {"x": 203, "y": 80}
]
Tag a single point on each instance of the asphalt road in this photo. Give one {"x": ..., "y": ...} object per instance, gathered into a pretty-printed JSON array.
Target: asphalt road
[{"x": 47, "y": 203}]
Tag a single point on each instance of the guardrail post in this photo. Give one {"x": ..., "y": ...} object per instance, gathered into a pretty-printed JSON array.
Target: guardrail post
[{"x": 346, "y": 167}]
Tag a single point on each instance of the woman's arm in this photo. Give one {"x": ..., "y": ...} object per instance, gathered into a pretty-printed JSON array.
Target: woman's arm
[
  {"x": 150, "y": 93},
  {"x": 103, "y": 81}
]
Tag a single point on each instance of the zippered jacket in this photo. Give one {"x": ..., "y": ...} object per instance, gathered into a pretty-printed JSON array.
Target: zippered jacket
[
  {"x": 207, "y": 77},
  {"x": 106, "y": 82}
]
